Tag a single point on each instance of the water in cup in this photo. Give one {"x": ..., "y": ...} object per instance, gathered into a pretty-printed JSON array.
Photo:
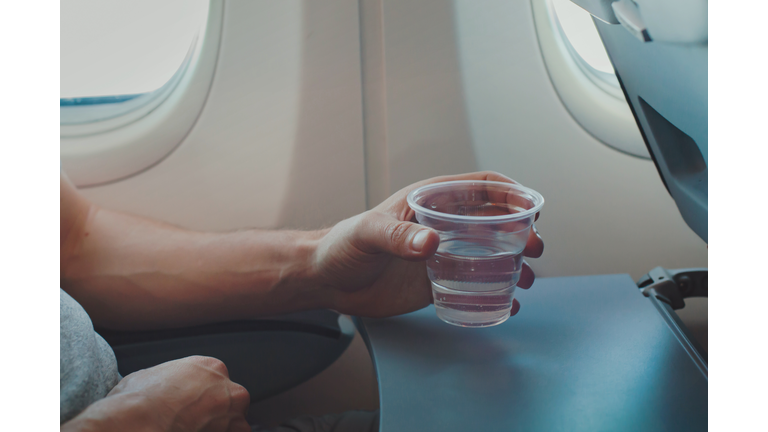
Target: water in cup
[
  {"x": 483, "y": 227},
  {"x": 474, "y": 277}
]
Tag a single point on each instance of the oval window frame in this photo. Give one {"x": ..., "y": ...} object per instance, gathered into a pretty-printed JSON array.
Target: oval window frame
[
  {"x": 91, "y": 115},
  {"x": 119, "y": 146},
  {"x": 597, "y": 105}
]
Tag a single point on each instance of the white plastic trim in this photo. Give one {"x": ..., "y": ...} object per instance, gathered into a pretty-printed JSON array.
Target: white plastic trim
[
  {"x": 603, "y": 113},
  {"x": 117, "y": 148}
]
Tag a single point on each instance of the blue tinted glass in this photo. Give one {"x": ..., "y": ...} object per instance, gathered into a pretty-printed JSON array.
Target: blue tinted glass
[{"x": 97, "y": 100}]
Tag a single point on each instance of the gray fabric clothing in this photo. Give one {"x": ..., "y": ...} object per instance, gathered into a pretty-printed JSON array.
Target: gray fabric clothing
[{"x": 87, "y": 368}]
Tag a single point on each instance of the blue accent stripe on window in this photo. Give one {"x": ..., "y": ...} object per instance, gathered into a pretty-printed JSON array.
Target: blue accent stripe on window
[{"x": 98, "y": 100}]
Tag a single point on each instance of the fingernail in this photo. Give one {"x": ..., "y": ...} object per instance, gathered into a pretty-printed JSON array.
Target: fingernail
[{"x": 419, "y": 240}]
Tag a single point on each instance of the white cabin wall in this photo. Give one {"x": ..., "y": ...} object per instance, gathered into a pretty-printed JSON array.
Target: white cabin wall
[
  {"x": 427, "y": 124},
  {"x": 279, "y": 142},
  {"x": 465, "y": 88}
]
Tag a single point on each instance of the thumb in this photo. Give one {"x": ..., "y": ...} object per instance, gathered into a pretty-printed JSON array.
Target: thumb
[{"x": 383, "y": 233}]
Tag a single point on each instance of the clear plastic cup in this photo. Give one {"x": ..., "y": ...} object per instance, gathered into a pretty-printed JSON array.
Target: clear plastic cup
[{"x": 483, "y": 228}]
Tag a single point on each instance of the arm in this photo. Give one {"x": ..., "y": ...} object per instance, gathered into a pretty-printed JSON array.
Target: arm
[
  {"x": 130, "y": 273},
  {"x": 133, "y": 273}
]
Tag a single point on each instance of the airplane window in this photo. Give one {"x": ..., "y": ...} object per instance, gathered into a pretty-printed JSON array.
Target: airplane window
[
  {"x": 113, "y": 52},
  {"x": 579, "y": 32},
  {"x": 583, "y": 76}
]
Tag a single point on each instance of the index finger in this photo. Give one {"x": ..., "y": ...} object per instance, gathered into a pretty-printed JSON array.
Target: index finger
[
  {"x": 405, "y": 213},
  {"x": 480, "y": 175}
]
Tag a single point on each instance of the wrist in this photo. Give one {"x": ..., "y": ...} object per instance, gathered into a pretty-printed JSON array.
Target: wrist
[
  {"x": 303, "y": 279},
  {"x": 325, "y": 267}
]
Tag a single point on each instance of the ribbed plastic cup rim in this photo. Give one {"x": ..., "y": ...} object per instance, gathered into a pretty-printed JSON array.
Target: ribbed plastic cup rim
[{"x": 538, "y": 199}]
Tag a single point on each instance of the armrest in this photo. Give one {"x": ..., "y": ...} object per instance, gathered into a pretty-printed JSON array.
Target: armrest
[
  {"x": 266, "y": 356},
  {"x": 667, "y": 289}
]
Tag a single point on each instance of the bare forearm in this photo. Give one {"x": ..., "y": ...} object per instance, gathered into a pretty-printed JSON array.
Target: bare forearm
[{"x": 133, "y": 273}]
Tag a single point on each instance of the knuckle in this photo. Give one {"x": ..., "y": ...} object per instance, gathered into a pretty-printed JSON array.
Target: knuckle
[
  {"x": 487, "y": 174},
  {"x": 213, "y": 363},
  {"x": 219, "y": 367},
  {"x": 239, "y": 393},
  {"x": 397, "y": 233}
]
